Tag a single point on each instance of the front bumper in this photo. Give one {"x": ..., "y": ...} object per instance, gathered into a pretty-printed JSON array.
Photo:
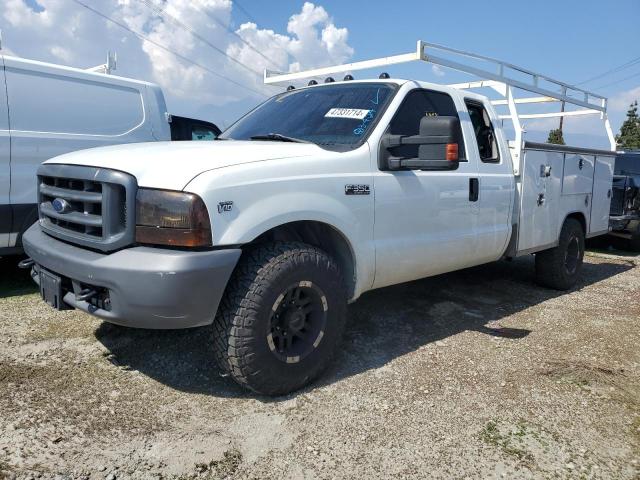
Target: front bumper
[
  {"x": 626, "y": 226},
  {"x": 140, "y": 287}
]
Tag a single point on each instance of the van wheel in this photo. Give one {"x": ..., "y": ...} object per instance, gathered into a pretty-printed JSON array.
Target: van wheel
[
  {"x": 281, "y": 317},
  {"x": 560, "y": 267}
]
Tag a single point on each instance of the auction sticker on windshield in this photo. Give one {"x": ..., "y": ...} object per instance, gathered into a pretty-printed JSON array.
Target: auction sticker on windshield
[{"x": 353, "y": 113}]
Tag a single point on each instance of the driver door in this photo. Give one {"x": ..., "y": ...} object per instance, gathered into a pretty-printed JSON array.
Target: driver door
[{"x": 425, "y": 221}]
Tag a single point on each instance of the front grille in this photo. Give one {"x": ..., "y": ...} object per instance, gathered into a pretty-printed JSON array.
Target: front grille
[
  {"x": 618, "y": 190},
  {"x": 95, "y": 206},
  {"x": 617, "y": 201}
]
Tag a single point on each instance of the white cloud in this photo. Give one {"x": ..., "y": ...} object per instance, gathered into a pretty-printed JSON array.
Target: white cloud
[
  {"x": 62, "y": 53},
  {"x": 19, "y": 14},
  {"x": 437, "y": 70},
  {"x": 621, "y": 101},
  {"x": 315, "y": 41},
  {"x": 65, "y": 32}
]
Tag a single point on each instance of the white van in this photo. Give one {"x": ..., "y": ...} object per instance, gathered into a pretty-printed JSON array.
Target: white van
[{"x": 47, "y": 110}]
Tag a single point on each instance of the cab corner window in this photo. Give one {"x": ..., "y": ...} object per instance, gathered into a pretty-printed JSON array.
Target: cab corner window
[
  {"x": 416, "y": 105},
  {"x": 484, "y": 132}
]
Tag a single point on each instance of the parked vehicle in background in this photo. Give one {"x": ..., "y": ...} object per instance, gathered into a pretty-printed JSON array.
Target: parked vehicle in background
[
  {"x": 184, "y": 128},
  {"x": 625, "y": 204},
  {"x": 270, "y": 233},
  {"x": 47, "y": 110}
]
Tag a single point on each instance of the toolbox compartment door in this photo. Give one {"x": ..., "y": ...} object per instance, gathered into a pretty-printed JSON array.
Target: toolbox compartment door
[
  {"x": 578, "y": 174},
  {"x": 602, "y": 194},
  {"x": 540, "y": 191}
]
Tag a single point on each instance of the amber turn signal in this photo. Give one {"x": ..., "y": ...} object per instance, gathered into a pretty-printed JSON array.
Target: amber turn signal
[{"x": 452, "y": 152}]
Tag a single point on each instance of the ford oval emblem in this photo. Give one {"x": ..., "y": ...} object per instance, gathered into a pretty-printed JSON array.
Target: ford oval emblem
[{"x": 60, "y": 205}]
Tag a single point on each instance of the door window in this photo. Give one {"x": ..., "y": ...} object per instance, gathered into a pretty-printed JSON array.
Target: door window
[
  {"x": 417, "y": 104},
  {"x": 484, "y": 133}
]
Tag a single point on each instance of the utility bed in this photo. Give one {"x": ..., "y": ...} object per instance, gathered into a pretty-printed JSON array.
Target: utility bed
[{"x": 556, "y": 181}]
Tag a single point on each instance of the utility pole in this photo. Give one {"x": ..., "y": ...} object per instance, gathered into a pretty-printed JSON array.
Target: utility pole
[{"x": 564, "y": 94}]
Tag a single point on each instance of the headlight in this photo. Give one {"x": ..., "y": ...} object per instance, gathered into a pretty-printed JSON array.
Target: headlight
[{"x": 165, "y": 217}]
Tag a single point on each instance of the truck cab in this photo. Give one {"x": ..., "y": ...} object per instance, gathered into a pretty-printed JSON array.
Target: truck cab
[{"x": 321, "y": 193}]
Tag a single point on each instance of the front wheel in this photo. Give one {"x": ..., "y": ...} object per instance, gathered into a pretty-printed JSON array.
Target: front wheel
[
  {"x": 560, "y": 267},
  {"x": 281, "y": 318}
]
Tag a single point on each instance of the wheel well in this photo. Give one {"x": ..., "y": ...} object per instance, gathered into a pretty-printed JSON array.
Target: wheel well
[
  {"x": 580, "y": 218},
  {"x": 319, "y": 235}
]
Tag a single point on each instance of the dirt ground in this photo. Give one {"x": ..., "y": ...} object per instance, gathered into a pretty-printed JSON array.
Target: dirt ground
[{"x": 475, "y": 374}]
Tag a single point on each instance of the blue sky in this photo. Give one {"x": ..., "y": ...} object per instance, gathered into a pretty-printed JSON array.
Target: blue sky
[{"x": 569, "y": 40}]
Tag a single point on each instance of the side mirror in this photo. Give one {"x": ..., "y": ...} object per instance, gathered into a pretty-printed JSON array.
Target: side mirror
[{"x": 437, "y": 145}]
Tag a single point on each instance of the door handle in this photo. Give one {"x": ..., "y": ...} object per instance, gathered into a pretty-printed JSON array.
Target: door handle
[
  {"x": 545, "y": 171},
  {"x": 474, "y": 189}
]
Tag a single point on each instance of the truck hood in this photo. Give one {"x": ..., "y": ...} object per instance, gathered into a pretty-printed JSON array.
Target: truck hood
[{"x": 172, "y": 165}]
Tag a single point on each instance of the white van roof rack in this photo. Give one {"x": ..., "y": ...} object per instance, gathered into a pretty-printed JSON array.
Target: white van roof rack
[{"x": 500, "y": 77}]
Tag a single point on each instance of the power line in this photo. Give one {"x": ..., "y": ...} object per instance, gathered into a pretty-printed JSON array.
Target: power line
[
  {"x": 244, "y": 10},
  {"x": 625, "y": 65},
  {"x": 179, "y": 23},
  {"x": 232, "y": 32},
  {"x": 619, "y": 81},
  {"x": 159, "y": 45}
]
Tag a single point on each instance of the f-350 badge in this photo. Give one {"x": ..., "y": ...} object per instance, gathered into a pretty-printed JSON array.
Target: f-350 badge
[{"x": 356, "y": 189}]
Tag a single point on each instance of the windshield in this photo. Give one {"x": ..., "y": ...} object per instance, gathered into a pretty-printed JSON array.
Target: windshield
[
  {"x": 627, "y": 164},
  {"x": 332, "y": 116}
]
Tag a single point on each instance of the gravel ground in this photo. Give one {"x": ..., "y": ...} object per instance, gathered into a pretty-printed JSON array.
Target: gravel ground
[{"x": 475, "y": 374}]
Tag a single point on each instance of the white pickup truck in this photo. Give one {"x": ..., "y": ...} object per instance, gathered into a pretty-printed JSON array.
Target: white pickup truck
[{"x": 316, "y": 196}]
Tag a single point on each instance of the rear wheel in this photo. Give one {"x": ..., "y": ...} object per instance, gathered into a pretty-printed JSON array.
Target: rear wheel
[
  {"x": 281, "y": 318},
  {"x": 560, "y": 267}
]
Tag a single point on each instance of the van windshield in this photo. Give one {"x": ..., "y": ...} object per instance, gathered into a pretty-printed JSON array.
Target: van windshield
[{"x": 337, "y": 117}]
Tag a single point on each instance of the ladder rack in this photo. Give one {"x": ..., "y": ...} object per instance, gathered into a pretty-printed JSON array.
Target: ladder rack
[{"x": 502, "y": 77}]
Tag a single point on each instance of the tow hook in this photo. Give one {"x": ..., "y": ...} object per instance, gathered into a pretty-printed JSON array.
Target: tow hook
[
  {"x": 26, "y": 263},
  {"x": 86, "y": 294}
]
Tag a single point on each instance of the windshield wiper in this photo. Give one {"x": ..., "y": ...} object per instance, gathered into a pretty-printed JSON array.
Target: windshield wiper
[{"x": 277, "y": 137}]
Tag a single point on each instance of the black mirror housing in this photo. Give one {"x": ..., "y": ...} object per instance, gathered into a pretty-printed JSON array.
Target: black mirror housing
[{"x": 438, "y": 142}]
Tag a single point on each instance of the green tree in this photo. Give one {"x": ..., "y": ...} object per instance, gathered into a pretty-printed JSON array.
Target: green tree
[
  {"x": 555, "y": 136},
  {"x": 629, "y": 137}
]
